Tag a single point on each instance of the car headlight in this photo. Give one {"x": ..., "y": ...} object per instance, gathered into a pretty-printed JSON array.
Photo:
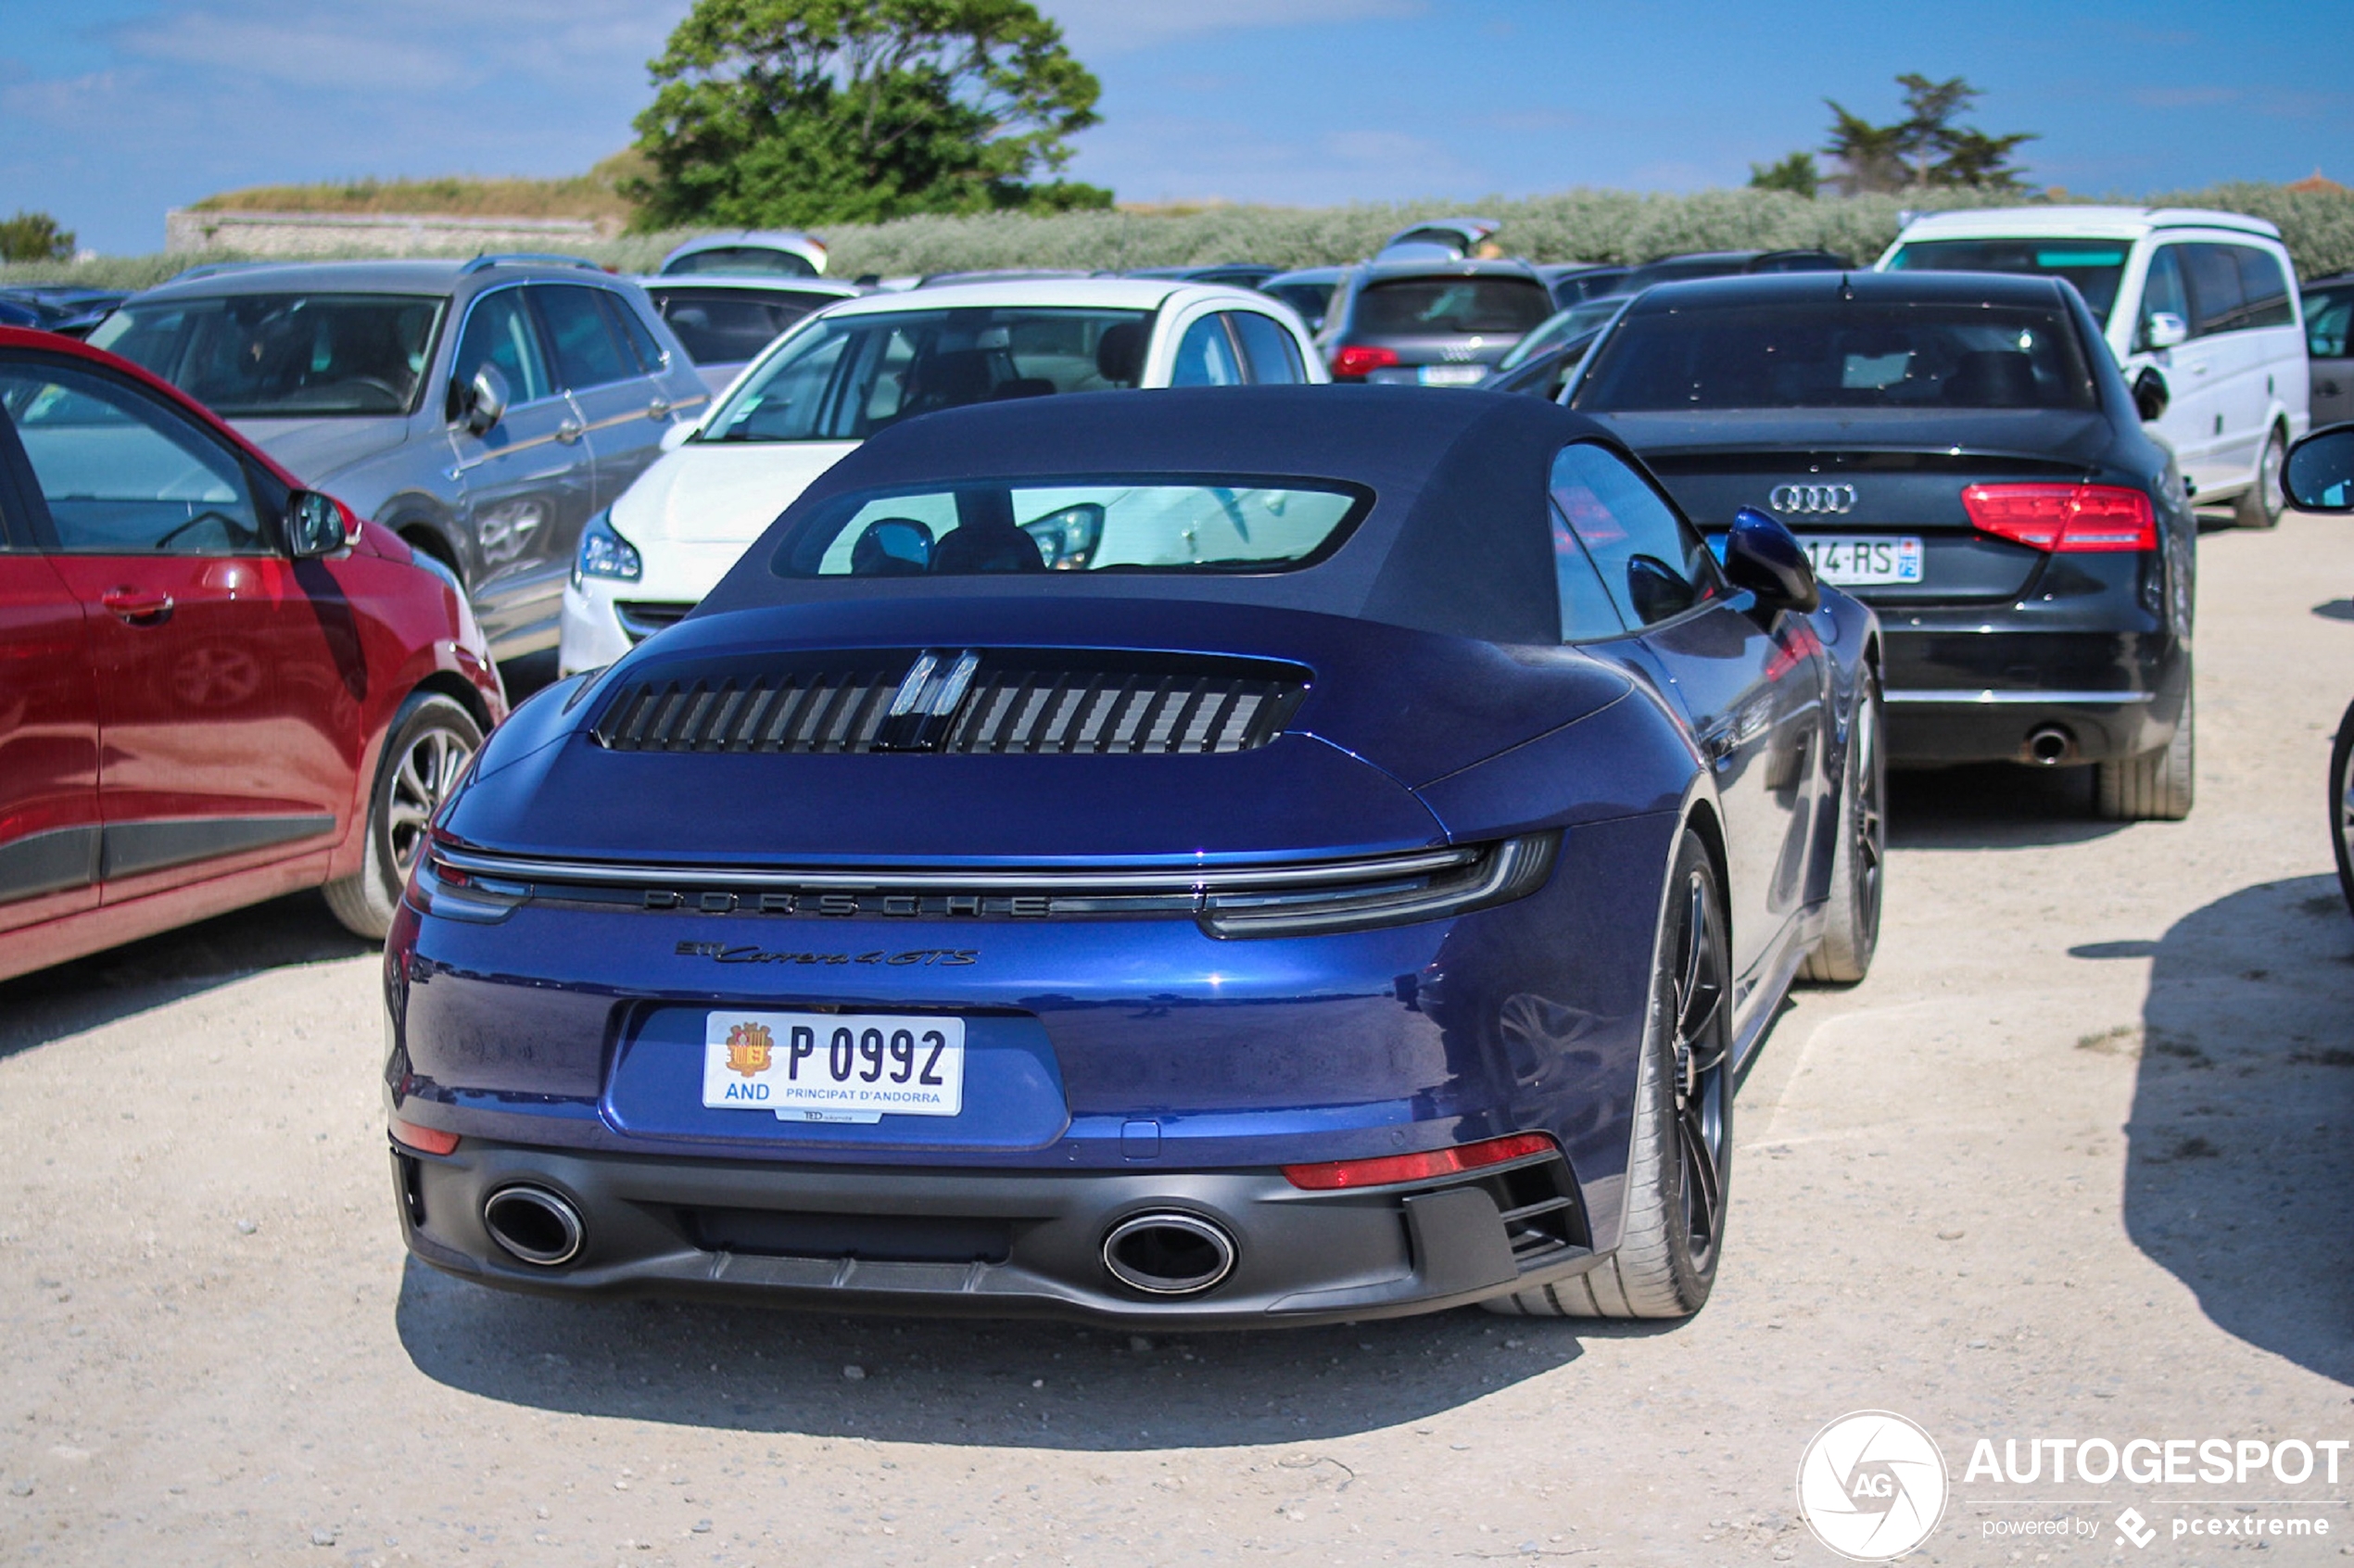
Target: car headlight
[{"x": 604, "y": 553}]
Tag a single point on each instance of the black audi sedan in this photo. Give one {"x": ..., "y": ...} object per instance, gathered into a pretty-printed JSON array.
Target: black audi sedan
[{"x": 1959, "y": 452}]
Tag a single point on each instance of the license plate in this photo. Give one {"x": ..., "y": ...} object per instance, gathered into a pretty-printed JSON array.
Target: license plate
[
  {"x": 1453, "y": 375},
  {"x": 1851, "y": 560},
  {"x": 833, "y": 1067}
]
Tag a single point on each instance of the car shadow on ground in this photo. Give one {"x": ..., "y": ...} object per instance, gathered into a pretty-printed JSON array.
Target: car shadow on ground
[
  {"x": 48, "y": 1003},
  {"x": 2237, "y": 1177},
  {"x": 998, "y": 1382},
  {"x": 1992, "y": 806}
]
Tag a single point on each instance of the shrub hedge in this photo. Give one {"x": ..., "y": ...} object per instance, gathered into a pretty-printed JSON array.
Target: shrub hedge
[{"x": 1584, "y": 225}]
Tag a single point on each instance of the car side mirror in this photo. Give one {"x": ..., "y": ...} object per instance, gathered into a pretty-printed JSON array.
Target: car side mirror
[
  {"x": 318, "y": 525},
  {"x": 2320, "y": 472},
  {"x": 1766, "y": 559},
  {"x": 2164, "y": 329},
  {"x": 2150, "y": 396},
  {"x": 486, "y": 399}
]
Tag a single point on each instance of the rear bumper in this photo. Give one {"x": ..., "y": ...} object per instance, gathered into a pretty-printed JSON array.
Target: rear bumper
[
  {"x": 1983, "y": 692},
  {"x": 997, "y": 1243}
]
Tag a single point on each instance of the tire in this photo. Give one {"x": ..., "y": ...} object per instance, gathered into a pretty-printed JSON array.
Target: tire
[
  {"x": 2261, "y": 505},
  {"x": 2154, "y": 787},
  {"x": 2342, "y": 804},
  {"x": 1682, "y": 1148},
  {"x": 1851, "y": 920},
  {"x": 431, "y": 741}
]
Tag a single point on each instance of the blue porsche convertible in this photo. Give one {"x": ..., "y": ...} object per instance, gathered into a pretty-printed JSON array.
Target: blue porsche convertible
[{"x": 1262, "y": 855}]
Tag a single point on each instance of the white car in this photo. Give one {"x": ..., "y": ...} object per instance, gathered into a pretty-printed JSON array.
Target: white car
[
  {"x": 852, "y": 368},
  {"x": 2200, "y": 308}
]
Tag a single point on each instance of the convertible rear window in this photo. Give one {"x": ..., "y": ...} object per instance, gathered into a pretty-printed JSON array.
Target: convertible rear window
[
  {"x": 283, "y": 356},
  {"x": 1845, "y": 355},
  {"x": 1080, "y": 524}
]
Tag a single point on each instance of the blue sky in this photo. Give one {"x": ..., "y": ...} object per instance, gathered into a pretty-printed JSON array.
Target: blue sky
[{"x": 112, "y": 110}]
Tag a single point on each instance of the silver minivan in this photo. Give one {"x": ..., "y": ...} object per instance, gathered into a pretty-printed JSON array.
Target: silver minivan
[
  {"x": 482, "y": 410},
  {"x": 2200, "y": 307}
]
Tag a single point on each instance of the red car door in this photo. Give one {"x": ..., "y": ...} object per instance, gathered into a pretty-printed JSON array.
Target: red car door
[
  {"x": 229, "y": 718},
  {"x": 48, "y": 734}
]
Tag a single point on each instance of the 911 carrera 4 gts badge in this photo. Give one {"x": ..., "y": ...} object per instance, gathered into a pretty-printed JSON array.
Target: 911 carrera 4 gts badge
[{"x": 748, "y": 1048}]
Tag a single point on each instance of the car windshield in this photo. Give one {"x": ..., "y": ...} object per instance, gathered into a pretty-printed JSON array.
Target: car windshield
[
  {"x": 1143, "y": 524},
  {"x": 1575, "y": 321},
  {"x": 2093, "y": 266},
  {"x": 843, "y": 377},
  {"x": 1412, "y": 307},
  {"x": 1839, "y": 356},
  {"x": 1310, "y": 300},
  {"x": 283, "y": 356},
  {"x": 726, "y": 326}
]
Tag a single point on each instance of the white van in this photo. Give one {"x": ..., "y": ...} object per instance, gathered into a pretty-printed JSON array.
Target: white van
[{"x": 2200, "y": 307}]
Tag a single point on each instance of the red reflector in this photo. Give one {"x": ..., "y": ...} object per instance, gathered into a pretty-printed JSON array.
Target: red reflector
[
  {"x": 1352, "y": 362},
  {"x": 1386, "y": 1170},
  {"x": 2070, "y": 518},
  {"x": 424, "y": 1140}
]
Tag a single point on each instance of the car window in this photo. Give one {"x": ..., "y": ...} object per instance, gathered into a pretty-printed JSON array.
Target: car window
[
  {"x": 1308, "y": 298},
  {"x": 1080, "y": 524},
  {"x": 623, "y": 317},
  {"x": 729, "y": 326},
  {"x": 2328, "y": 313},
  {"x": 585, "y": 353},
  {"x": 123, "y": 475},
  {"x": 1409, "y": 307},
  {"x": 1275, "y": 358},
  {"x": 2162, "y": 291},
  {"x": 842, "y": 377},
  {"x": 500, "y": 334},
  {"x": 2214, "y": 279},
  {"x": 283, "y": 356},
  {"x": 1650, "y": 561},
  {"x": 2264, "y": 288},
  {"x": 1205, "y": 358},
  {"x": 1857, "y": 354},
  {"x": 2095, "y": 267},
  {"x": 1588, "y": 612}
]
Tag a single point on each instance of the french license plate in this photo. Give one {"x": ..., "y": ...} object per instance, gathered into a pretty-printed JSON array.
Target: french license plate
[
  {"x": 834, "y": 1067},
  {"x": 1848, "y": 559},
  {"x": 1453, "y": 375}
]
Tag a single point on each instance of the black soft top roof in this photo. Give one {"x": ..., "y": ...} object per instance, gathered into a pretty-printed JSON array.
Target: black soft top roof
[{"x": 1456, "y": 541}]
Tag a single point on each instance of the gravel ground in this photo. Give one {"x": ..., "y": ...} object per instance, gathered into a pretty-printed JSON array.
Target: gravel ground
[{"x": 2068, "y": 1165}]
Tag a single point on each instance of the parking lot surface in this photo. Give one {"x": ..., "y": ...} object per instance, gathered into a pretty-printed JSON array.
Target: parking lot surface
[{"x": 2071, "y": 1164}]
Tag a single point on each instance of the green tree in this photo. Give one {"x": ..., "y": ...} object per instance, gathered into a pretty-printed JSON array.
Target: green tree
[
  {"x": 35, "y": 236},
  {"x": 835, "y": 111},
  {"x": 1796, "y": 173},
  {"x": 1925, "y": 147}
]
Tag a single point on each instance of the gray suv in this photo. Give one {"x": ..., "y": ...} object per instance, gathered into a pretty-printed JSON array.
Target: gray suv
[{"x": 482, "y": 410}]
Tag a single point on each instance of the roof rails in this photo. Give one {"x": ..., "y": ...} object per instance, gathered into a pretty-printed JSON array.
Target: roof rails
[{"x": 525, "y": 259}]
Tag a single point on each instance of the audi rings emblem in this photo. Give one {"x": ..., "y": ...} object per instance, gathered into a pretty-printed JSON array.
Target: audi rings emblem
[{"x": 1816, "y": 501}]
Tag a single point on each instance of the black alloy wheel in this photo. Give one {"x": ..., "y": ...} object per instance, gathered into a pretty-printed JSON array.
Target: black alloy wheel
[
  {"x": 1700, "y": 1054},
  {"x": 2342, "y": 803}
]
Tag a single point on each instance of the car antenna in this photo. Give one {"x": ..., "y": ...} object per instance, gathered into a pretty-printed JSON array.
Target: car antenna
[{"x": 1847, "y": 289}]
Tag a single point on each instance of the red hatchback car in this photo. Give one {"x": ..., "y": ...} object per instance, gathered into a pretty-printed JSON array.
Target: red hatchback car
[{"x": 215, "y": 685}]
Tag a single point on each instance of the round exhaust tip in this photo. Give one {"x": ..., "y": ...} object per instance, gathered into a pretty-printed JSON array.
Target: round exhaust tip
[
  {"x": 1168, "y": 1253},
  {"x": 534, "y": 1224},
  {"x": 2050, "y": 744}
]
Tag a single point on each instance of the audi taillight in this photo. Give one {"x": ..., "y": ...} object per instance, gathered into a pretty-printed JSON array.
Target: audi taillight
[
  {"x": 1385, "y": 1170},
  {"x": 2066, "y": 518},
  {"x": 1352, "y": 362}
]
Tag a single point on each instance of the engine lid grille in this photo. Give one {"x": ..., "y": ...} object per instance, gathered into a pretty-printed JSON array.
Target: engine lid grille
[{"x": 1051, "y": 701}]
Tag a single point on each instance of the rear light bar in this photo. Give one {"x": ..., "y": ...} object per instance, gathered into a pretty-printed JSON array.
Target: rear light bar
[
  {"x": 1352, "y": 362},
  {"x": 424, "y": 1140},
  {"x": 2071, "y": 519},
  {"x": 1388, "y": 1170}
]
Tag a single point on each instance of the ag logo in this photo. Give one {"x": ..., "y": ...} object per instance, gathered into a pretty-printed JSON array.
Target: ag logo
[{"x": 1871, "y": 1486}]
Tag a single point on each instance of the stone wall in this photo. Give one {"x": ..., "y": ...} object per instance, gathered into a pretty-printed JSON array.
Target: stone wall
[{"x": 372, "y": 233}]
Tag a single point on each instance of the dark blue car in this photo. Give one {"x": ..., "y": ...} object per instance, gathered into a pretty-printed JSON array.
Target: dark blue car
[{"x": 1241, "y": 857}]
